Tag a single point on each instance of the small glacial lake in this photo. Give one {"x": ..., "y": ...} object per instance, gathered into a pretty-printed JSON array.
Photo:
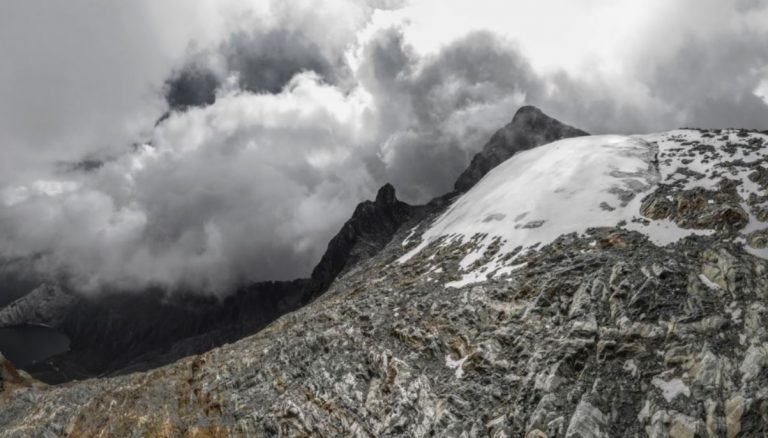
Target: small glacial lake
[{"x": 24, "y": 345}]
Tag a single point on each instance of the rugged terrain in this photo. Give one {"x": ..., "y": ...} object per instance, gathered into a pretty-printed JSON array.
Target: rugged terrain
[{"x": 592, "y": 287}]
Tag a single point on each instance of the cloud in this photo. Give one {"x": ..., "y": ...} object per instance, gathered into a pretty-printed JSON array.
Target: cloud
[
  {"x": 286, "y": 115},
  {"x": 264, "y": 52},
  {"x": 221, "y": 198},
  {"x": 265, "y": 62},
  {"x": 79, "y": 76},
  {"x": 193, "y": 85},
  {"x": 435, "y": 111}
]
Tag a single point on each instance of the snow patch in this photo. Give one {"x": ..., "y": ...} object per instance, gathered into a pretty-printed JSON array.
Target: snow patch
[
  {"x": 408, "y": 238},
  {"x": 707, "y": 282},
  {"x": 468, "y": 278},
  {"x": 663, "y": 232},
  {"x": 671, "y": 389},
  {"x": 457, "y": 365},
  {"x": 630, "y": 366},
  {"x": 482, "y": 274}
]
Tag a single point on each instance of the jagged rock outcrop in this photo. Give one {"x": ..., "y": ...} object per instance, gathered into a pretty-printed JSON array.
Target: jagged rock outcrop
[
  {"x": 529, "y": 128},
  {"x": 12, "y": 379},
  {"x": 371, "y": 226},
  {"x": 615, "y": 324},
  {"x": 47, "y": 305}
]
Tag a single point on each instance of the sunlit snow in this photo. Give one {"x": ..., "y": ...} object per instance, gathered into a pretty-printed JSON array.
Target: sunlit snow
[{"x": 563, "y": 187}]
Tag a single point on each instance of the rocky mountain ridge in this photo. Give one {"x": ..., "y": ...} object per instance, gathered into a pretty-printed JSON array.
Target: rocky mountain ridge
[
  {"x": 486, "y": 315},
  {"x": 529, "y": 128}
]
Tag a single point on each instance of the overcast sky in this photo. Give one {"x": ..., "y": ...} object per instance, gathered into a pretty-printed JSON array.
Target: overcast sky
[{"x": 285, "y": 114}]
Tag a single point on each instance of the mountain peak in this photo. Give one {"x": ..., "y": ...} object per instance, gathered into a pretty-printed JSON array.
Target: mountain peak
[
  {"x": 370, "y": 228},
  {"x": 530, "y": 127},
  {"x": 386, "y": 194},
  {"x": 533, "y": 118},
  {"x": 528, "y": 111}
]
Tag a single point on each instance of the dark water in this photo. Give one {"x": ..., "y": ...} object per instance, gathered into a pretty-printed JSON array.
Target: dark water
[
  {"x": 13, "y": 287},
  {"x": 25, "y": 345}
]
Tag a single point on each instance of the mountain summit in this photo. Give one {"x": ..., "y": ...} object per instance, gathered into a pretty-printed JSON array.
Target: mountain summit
[
  {"x": 529, "y": 128},
  {"x": 595, "y": 286}
]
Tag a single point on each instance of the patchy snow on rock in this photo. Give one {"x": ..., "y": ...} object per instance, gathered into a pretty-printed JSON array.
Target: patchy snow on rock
[
  {"x": 671, "y": 389},
  {"x": 457, "y": 365},
  {"x": 467, "y": 279},
  {"x": 707, "y": 282},
  {"x": 687, "y": 156},
  {"x": 663, "y": 232},
  {"x": 495, "y": 269},
  {"x": 630, "y": 366},
  {"x": 408, "y": 238},
  {"x": 574, "y": 184},
  {"x": 690, "y": 159}
]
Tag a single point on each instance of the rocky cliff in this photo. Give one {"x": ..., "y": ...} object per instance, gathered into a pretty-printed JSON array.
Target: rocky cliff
[
  {"x": 12, "y": 379},
  {"x": 370, "y": 228},
  {"x": 46, "y": 305},
  {"x": 592, "y": 287}
]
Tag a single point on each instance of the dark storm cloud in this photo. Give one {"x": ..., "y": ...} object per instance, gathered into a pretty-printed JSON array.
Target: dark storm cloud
[
  {"x": 194, "y": 85},
  {"x": 713, "y": 82},
  {"x": 594, "y": 107},
  {"x": 259, "y": 61},
  {"x": 266, "y": 61},
  {"x": 438, "y": 110}
]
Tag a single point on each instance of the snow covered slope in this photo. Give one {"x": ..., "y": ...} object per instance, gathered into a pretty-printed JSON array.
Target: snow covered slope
[
  {"x": 540, "y": 194},
  {"x": 571, "y": 185}
]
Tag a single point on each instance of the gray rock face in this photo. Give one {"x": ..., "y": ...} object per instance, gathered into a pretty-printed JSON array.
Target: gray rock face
[
  {"x": 529, "y": 128},
  {"x": 12, "y": 379},
  {"x": 47, "y": 305},
  {"x": 371, "y": 226}
]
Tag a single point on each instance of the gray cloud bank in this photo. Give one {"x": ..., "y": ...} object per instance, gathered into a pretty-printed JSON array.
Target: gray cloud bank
[{"x": 279, "y": 127}]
